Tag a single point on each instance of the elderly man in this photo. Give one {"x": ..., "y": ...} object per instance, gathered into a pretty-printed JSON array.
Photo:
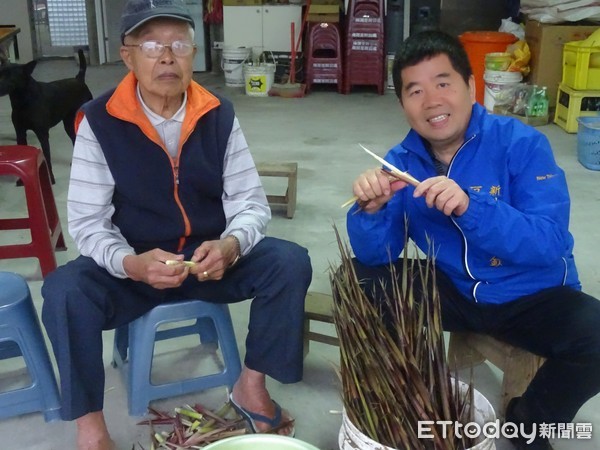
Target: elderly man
[{"x": 161, "y": 171}]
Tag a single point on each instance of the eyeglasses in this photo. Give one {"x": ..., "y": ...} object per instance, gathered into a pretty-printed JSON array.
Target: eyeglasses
[{"x": 154, "y": 49}]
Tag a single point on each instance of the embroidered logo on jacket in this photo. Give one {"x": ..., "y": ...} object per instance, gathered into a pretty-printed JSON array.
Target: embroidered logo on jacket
[
  {"x": 495, "y": 191},
  {"x": 545, "y": 177},
  {"x": 495, "y": 262}
]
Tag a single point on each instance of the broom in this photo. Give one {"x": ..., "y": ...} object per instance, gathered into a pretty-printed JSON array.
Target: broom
[{"x": 291, "y": 89}]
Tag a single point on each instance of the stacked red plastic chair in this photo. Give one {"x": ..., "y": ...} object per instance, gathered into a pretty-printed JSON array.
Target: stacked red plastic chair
[
  {"x": 27, "y": 163},
  {"x": 365, "y": 56},
  {"x": 324, "y": 56}
]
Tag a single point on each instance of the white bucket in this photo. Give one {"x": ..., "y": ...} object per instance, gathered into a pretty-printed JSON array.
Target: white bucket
[
  {"x": 259, "y": 79},
  {"x": 497, "y": 84},
  {"x": 350, "y": 438},
  {"x": 232, "y": 64}
]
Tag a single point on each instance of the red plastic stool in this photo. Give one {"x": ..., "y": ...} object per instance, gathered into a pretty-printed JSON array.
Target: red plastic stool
[{"x": 29, "y": 165}]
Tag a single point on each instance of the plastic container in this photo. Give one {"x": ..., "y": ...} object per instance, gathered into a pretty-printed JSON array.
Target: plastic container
[
  {"x": 588, "y": 142},
  {"x": 581, "y": 63},
  {"x": 350, "y": 438},
  {"x": 258, "y": 79},
  {"x": 538, "y": 103},
  {"x": 498, "y": 61},
  {"x": 572, "y": 104},
  {"x": 232, "y": 63},
  {"x": 260, "y": 442},
  {"x": 497, "y": 85},
  {"x": 478, "y": 44}
]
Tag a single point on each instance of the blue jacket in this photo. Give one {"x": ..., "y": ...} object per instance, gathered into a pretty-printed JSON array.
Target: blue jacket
[{"x": 512, "y": 241}]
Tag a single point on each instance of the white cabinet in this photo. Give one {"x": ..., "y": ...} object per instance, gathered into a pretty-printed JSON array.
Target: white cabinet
[{"x": 264, "y": 28}]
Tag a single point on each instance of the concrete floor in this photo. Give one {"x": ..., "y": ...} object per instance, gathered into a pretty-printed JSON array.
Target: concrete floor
[{"x": 321, "y": 133}]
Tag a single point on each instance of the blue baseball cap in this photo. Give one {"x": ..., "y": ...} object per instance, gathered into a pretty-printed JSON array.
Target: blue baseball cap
[{"x": 138, "y": 12}]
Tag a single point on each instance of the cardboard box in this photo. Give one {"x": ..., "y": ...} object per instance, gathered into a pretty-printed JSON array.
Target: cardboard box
[
  {"x": 324, "y": 9},
  {"x": 323, "y": 18},
  {"x": 533, "y": 121},
  {"x": 321, "y": 11},
  {"x": 546, "y": 42}
]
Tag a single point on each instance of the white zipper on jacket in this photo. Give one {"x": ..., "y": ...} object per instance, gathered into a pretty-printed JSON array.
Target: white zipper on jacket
[
  {"x": 465, "y": 261},
  {"x": 564, "y": 282}
]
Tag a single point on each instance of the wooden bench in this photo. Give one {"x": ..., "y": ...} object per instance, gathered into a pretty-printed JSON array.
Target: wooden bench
[
  {"x": 318, "y": 307},
  {"x": 288, "y": 170},
  {"x": 518, "y": 365}
]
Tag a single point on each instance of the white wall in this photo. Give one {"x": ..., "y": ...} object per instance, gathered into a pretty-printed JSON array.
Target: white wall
[{"x": 16, "y": 12}]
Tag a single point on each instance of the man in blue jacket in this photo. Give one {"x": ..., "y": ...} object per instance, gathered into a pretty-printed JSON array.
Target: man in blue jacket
[{"x": 493, "y": 207}]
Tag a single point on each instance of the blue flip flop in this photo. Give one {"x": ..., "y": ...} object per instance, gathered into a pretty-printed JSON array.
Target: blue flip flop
[{"x": 252, "y": 417}]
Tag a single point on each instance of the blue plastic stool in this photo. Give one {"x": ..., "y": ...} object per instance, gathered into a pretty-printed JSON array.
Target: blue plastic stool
[
  {"x": 21, "y": 334},
  {"x": 213, "y": 325}
]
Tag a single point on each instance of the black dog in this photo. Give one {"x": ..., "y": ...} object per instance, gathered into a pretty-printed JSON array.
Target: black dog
[{"x": 39, "y": 106}]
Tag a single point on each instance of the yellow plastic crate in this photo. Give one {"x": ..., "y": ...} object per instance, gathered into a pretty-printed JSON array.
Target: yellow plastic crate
[
  {"x": 581, "y": 63},
  {"x": 571, "y": 104}
]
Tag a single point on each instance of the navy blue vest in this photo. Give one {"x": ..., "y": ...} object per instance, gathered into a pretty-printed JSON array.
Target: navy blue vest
[{"x": 146, "y": 210}]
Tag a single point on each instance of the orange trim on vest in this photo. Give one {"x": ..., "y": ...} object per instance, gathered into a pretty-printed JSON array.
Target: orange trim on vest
[
  {"x": 124, "y": 105},
  {"x": 181, "y": 244},
  {"x": 78, "y": 118}
]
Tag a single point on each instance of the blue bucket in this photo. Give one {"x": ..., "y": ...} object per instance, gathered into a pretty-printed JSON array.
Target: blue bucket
[{"x": 588, "y": 142}]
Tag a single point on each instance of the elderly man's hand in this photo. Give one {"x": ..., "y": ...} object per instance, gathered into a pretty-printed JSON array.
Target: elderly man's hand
[
  {"x": 213, "y": 258},
  {"x": 150, "y": 268},
  {"x": 444, "y": 194}
]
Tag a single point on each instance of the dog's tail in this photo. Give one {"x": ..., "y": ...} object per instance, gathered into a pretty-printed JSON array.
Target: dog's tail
[{"x": 82, "y": 66}]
